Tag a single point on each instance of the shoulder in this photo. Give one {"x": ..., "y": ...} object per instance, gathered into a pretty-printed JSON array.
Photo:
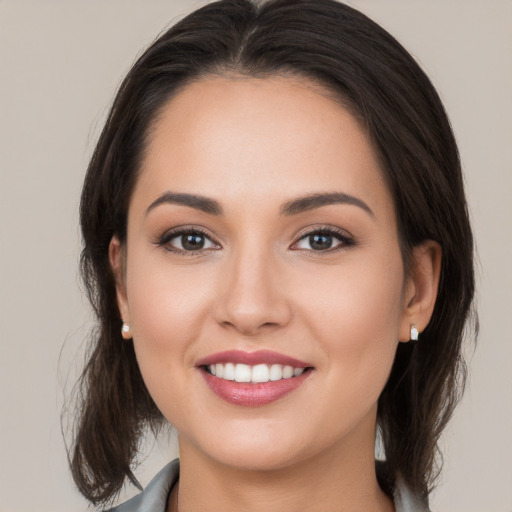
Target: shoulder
[{"x": 155, "y": 495}]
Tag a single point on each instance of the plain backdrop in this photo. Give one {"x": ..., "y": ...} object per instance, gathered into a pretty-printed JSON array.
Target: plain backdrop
[{"x": 60, "y": 63}]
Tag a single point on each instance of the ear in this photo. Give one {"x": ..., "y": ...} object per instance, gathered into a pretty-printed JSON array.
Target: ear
[
  {"x": 117, "y": 259},
  {"x": 421, "y": 288}
]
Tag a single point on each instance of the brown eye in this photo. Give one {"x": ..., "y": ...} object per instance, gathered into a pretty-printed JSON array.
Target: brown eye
[
  {"x": 187, "y": 241},
  {"x": 320, "y": 241},
  {"x": 323, "y": 241},
  {"x": 192, "y": 242}
]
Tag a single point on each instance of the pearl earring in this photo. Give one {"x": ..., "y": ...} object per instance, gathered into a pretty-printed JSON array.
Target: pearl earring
[
  {"x": 414, "y": 333},
  {"x": 125, "y": 331}
]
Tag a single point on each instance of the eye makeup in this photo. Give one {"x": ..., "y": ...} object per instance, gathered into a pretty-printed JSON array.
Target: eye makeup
[{"x": 193, "y": 240}]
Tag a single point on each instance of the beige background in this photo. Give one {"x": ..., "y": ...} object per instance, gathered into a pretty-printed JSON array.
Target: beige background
[{"x": 60, "y": 63}]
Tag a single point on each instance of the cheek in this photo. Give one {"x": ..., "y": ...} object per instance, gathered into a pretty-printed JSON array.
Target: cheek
[
  {"x": 167, "y": 312},
  {"x": 356, "y": 321},
  {"x": 363, "y": 291},
  {"x": 167, "y": 308}
]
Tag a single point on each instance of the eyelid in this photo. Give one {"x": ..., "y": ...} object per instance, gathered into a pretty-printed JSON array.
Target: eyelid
[
  {"x": 345, "y": 238},
  {"x": 167, "y": 236}
]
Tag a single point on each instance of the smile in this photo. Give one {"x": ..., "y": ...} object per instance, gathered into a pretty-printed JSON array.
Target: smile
[
  {"x": 253, "y": 378},
  {"x": 255, "y": 374}
]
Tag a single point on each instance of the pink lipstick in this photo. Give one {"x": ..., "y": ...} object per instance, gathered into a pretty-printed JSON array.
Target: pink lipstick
[
  {"x": 253, "y": 378},
  {"x": 252, "y": 358}
]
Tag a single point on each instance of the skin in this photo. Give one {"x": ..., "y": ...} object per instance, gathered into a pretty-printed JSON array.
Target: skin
[{"x": 253, "y": 145}]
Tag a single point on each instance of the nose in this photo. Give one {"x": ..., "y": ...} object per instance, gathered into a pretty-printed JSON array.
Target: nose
[{"x": 252, "y": 298}]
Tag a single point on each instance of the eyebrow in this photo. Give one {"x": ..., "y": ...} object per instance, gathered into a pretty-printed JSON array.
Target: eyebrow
[
  {"x": 313, "y": 201},
  {"x": 202, "y": 203},
  {"x": 293, "y": 207}
]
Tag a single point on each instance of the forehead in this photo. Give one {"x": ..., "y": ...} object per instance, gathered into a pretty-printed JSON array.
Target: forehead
[{"x": 262, "y": 139}]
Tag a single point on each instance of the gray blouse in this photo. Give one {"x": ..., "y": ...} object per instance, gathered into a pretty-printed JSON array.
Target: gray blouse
[{"x": 154, "y": 497}]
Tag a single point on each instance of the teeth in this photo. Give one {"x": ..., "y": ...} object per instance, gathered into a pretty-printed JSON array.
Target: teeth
[
  {"x": 243, "y": 373},
  {"x": 257, "y": 373},
  {"x": 287, "y": 372},
  {"x": 276, "y": 372},
  {"x": 229, "y": 371},
  {"x": 260, "y": 373}
]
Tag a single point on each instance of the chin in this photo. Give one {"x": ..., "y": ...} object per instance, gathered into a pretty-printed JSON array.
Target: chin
[
  {"x": 258, "y": 448},
  {"x": 252, "y": 460}
]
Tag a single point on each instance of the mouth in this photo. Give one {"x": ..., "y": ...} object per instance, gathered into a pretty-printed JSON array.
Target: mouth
[
  {"x": 256, "y": 374},
  {"x": 253, "y": 378}
]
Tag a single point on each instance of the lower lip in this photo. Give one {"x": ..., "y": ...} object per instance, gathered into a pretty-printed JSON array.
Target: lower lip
[{"x": 252, "y": 395}]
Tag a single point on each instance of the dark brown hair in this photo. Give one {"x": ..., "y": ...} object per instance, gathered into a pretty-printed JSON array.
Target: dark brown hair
[{"x": 340, "y": 48}]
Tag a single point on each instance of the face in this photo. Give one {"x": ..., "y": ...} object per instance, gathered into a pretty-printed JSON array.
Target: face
[{"x": 262, "y": 247}]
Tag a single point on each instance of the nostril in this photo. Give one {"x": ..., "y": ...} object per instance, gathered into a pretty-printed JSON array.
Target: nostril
[{"x": 249, "y": 327}]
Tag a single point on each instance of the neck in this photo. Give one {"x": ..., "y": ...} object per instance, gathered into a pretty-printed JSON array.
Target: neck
[{"x": 329, "y": 482}]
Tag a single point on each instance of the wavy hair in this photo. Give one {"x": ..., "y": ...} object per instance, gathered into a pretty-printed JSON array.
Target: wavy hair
[{"x": 376, "y": 78}]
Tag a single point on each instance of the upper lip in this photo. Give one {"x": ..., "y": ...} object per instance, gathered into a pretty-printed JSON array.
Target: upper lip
[{"x": 252, "y": 358}]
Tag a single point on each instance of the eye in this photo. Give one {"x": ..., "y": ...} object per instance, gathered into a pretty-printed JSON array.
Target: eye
[
  {"x": 323, "y": 240},
  {"x": 187, "y": 240}
]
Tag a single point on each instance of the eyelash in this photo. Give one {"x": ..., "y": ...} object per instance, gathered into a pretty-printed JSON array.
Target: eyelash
[
  {"x": 165, "y": 239},
  {"x": 343, "y": 237}
]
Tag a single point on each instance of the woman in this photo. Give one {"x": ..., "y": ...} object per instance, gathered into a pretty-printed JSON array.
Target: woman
[{"x": 277, "y": 246}]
